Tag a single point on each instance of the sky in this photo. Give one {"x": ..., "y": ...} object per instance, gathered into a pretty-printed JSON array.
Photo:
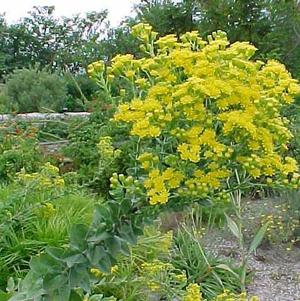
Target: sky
[{"x": 16, "y": 9}]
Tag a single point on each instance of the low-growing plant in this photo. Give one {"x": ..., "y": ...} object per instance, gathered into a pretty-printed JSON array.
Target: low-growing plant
[
  {"x": 201, "y": 266},
  {"x": 18, "y": 149},
  {"x": 37, "y": 211},
  {"x": 282, "y": 219}
]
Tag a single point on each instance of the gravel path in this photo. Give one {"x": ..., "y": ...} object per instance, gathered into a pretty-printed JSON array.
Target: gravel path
[
  {"x": 276, "y": 270},
  {"x": 277, "y": 274}
]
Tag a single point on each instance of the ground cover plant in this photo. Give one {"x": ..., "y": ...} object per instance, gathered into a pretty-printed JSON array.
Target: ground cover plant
[
  {"x": 37, "y": 210},
  {"x": 193, "y": 121}
]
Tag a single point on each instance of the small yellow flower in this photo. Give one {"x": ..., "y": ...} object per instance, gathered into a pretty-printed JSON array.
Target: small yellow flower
[{"x": 96, "y": 272}]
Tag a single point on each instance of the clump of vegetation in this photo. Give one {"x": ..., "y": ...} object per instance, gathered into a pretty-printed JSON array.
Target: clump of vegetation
[
  {"x": 33, "y": 90},
  {"x": 18, "y": 149}
]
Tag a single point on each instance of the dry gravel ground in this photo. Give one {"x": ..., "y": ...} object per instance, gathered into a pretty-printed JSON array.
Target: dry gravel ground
[
  {"x": 277, "y": 274},
  {"x": 276, "y": 270}
]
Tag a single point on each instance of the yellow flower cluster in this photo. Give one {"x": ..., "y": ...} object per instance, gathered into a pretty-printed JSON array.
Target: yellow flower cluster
[
  {"x": 148, "y": 160},
  {"x": 98, "y": 273},
  {"x": 155, "y": 266},
  {"x": 157, "y": 273},
  {"x": 47, "y": 178},
  {"x": 95, "y": 68},
  {"x": 159, "y": 184},
  {"x": 220, "y": 109},
  {"x": 106, "y": 150},
  {"x": 193, "y": 293},
  {"x": 48, "y": 210},
  {"x": 228, "y": 296}
]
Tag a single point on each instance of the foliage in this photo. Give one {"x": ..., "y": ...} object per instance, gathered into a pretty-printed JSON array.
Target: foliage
[
  {"x": 168, "y": 16},
  {"x": 58, "y": 43},
  {"x": 115, "y": 224},
  {"x": 36, "y": 211},
  {"x": 282, "y": 216},
  {"x": 211, "y": 273},
  {"x": 146, "y": 273},
  {"x": 30, "y": 90},
  {"x": 80, "y": 89},
  {"x": 18, "y": 149},
  {"x": 94, "y": 166},
  {"x": 120, "y": 41}
]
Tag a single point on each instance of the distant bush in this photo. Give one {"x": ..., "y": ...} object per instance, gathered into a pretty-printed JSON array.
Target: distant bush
[
  {"x": 31, "y": 90},
  {"x": 81, "y": 89}
]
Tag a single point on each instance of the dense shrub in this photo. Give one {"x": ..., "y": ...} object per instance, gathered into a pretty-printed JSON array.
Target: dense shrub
[
  {"x": 211, "y": 113},
  {"x": 30, "y": 90}
]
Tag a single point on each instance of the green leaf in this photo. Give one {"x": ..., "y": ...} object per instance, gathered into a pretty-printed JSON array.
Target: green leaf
[
  {"x": 95, "y": 254},
  {"x": 17, "y": 297},
  {"x": 258, "y": 238},
  {"x": 75, "y": 296},
  {"x": 115, "y": 209},
  {"x": 96, "y": 298},
  {"x": 126, "y": 205},
  {"x": 125, "y": 248},
  {"x": 113, "y": 245},
  {"x": 55, "y": 253},
  {"x": 61, "y": 294},
  {"x": 53, "y": 283},
  {"x": 99, "y": 237},
  {"x": 78, "y": 235},
  {"x": 43, "y": 264},
  {"x": 75, "y": 259},
  {"x": 79, "y": 277},
  {"x": 225, "y": 267},
  {"x": 10, "y": 284},
  {"x": 233, "y": 226},
  {"x": 101, "y": 214},
  {"x": 105, "y": 264},
  {"x": 126, "y": 232},
  {"x": 4, "y": 296}
]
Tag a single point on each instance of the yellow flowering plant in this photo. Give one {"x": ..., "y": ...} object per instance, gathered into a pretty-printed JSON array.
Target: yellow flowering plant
[
  {"x": 202, "y": 112},
  {"x": 47, "y": 179},
  {"x": 207, "y": 121},
  {"x": 193, "y": 293}
]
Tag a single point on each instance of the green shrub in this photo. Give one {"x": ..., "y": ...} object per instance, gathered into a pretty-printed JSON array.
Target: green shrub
[{"x": 31, "y": 90}]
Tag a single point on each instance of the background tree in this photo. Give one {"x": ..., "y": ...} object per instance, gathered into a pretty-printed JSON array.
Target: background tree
[
  {"x": 56, "y": 43},
  {"x": 167, "y": 16}
]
